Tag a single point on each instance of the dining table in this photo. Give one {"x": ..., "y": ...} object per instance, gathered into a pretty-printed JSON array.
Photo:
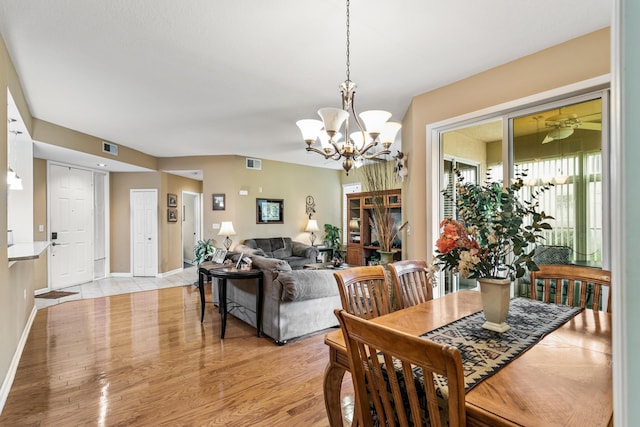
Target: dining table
[{"x": 564, "y": 379}]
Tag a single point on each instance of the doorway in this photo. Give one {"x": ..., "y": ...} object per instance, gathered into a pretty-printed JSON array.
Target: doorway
[{"x": 191, "y": 230}]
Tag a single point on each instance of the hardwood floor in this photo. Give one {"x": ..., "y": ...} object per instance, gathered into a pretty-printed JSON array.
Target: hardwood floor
[{"x": 145, "y": 359}]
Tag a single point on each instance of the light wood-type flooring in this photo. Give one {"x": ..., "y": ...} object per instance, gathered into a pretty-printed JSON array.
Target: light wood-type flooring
[{"x": 144, "y": 359}]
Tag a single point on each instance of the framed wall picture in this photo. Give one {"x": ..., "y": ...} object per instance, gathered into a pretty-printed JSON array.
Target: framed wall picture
[
  {"x": 269, "y": 211},
  {"x": 218, "y": 202},
  {"x": 172, "y": 215},
  {"x": 172, "y": 200},
  {"x": 218, "y": 256}
]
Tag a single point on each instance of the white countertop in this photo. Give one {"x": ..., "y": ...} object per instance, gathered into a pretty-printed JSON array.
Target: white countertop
[{"x": 25, "y": 251}]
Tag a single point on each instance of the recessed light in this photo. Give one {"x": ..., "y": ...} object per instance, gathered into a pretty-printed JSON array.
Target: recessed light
[{"x": 102, "y": 165}]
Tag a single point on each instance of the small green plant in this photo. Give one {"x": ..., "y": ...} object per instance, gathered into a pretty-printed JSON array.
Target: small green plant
[
  {"x": 202, "y": 250},
  {"x": 332, "y": 238}
]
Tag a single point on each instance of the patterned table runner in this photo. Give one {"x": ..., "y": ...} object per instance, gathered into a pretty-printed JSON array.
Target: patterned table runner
[{"x": 484, "y": 352}]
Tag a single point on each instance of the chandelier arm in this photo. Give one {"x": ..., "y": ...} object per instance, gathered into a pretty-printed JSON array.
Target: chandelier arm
[
  {"x": 336, "y": 148},
  {"x": 375, "y": 155},
  {"x": 354, "y": 114},
  {"x": 322, "y": 153},
  {"x": 368, "y": 147}
]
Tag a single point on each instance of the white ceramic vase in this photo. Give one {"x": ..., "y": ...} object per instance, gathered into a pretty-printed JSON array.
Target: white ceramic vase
[{"x": 495, "y": 303}]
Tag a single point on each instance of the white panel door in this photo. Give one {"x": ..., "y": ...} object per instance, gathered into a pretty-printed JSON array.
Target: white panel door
[
  {"x": 144, "y": 232},
  {"x": 71, "y": 225}
]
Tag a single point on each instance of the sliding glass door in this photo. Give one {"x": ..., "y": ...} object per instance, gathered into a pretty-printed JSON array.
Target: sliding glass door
[{"x": 562, "y": 145}]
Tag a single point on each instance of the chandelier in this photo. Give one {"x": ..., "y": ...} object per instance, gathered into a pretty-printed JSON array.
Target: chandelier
[{"x": 357, "y": 146}]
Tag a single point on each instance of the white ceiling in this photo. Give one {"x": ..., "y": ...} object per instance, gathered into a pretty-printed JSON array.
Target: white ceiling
[{"x": 203, "y": 77}]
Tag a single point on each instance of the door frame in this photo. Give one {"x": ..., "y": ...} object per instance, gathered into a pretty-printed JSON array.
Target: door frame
[
  {"x": 198, "y": 215},
  {"x": 505, "y": 111}
]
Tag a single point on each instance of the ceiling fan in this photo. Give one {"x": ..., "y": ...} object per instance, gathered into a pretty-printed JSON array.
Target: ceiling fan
[{"x": 563, "y": 125}]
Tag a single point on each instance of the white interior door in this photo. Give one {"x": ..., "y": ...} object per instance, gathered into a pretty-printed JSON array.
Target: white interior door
[
  {"x": 144, "y": 232},
  {"x": 71, "y": 225}
]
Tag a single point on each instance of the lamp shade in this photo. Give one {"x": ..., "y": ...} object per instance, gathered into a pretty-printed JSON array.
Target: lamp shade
[
  {"x": 226, "y": 229},
  {"x": 374, "y": 120},
  {"x": 333, "y": 118},
  {"x": 310, "y": 128},
  {"x": 389, "y": 132},
  {"x": 312, "y": 226}
]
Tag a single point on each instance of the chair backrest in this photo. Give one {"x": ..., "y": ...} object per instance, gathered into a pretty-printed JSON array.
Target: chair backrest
[
  {"x": 364, "y": 291},
  {"x": 553, "y": 277},
  {"x": 410, "y": 282},
  {"x": 373, "y": 348}
]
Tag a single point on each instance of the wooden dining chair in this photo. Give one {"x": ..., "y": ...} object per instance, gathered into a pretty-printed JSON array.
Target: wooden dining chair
[
  {"x": 411, "y": 285},
  {"x": 383, "y": 394},
  {"x": 578, "y": 280},
  {"x": 364, "y": 291}
]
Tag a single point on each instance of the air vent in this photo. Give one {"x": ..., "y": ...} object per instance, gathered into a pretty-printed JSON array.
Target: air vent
[
  {"x": 109, "y": 148},
  {"x": 254, "y": 164}
]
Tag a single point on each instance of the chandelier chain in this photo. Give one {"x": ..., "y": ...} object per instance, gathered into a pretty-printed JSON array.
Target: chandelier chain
[{"x": 348, "y": 46}]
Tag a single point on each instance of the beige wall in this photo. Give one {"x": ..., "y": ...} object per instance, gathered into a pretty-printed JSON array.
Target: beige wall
[
  {"x": 574, "y": 61},
  {"x": 78, "y": 141},
  {"x": 169, "y": 233},
  {"x": 277, "y": 180}
]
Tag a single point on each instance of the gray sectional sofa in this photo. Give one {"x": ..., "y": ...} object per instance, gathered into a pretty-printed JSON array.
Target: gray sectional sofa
[
  {"x": 297, "y": 254},
  {"x": 296, "y": 302}
]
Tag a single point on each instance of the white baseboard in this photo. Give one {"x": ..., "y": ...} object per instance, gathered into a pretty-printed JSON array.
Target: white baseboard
[
  {"x": 169, "y": 273},
  {"x": 121, "y": 275},
  {"x": 13, "y": 368}
]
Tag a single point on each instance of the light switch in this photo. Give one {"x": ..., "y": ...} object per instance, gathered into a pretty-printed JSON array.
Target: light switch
[
  {"x": 216, "y": 226},
  {"x": 40, "y": 228}
]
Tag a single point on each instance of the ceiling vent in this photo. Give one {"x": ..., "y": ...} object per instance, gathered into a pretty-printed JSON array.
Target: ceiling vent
[
  {"x": 254, "y": 164},
  {"x": 109, "y": 148}
]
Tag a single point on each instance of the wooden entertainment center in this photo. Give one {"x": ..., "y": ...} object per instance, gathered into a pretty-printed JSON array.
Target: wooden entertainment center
[{"x": 361, "y": 238}]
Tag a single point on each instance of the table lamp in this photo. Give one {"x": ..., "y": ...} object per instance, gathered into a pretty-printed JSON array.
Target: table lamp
[
  {"x": 226, "y": 229},
  {"x": 312, "y": 226}
]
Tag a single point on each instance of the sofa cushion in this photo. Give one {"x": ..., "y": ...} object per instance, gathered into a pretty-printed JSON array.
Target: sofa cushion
[
  {"x": 270, "y": 264},
  {"x": 275, "y": 247},
  {"x": 300, "y": 285},
  {"x": 249, "y": 250}
]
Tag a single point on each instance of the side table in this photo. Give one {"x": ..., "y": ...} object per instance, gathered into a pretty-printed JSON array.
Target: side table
[{"x": 222, "y": 274}]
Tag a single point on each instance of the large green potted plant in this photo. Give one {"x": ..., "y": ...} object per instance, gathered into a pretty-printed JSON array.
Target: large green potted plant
[{"x": 333, "y": 240}]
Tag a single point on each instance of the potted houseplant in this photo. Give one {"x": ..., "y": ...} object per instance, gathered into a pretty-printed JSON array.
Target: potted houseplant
[
  {"x": 333, "y": 240},
  {"x": 492, "y": 241},
  {"x": 202, "y": 250}
]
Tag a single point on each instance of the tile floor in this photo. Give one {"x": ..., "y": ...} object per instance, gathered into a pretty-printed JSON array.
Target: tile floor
[{"x": 121, "y": 285}]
